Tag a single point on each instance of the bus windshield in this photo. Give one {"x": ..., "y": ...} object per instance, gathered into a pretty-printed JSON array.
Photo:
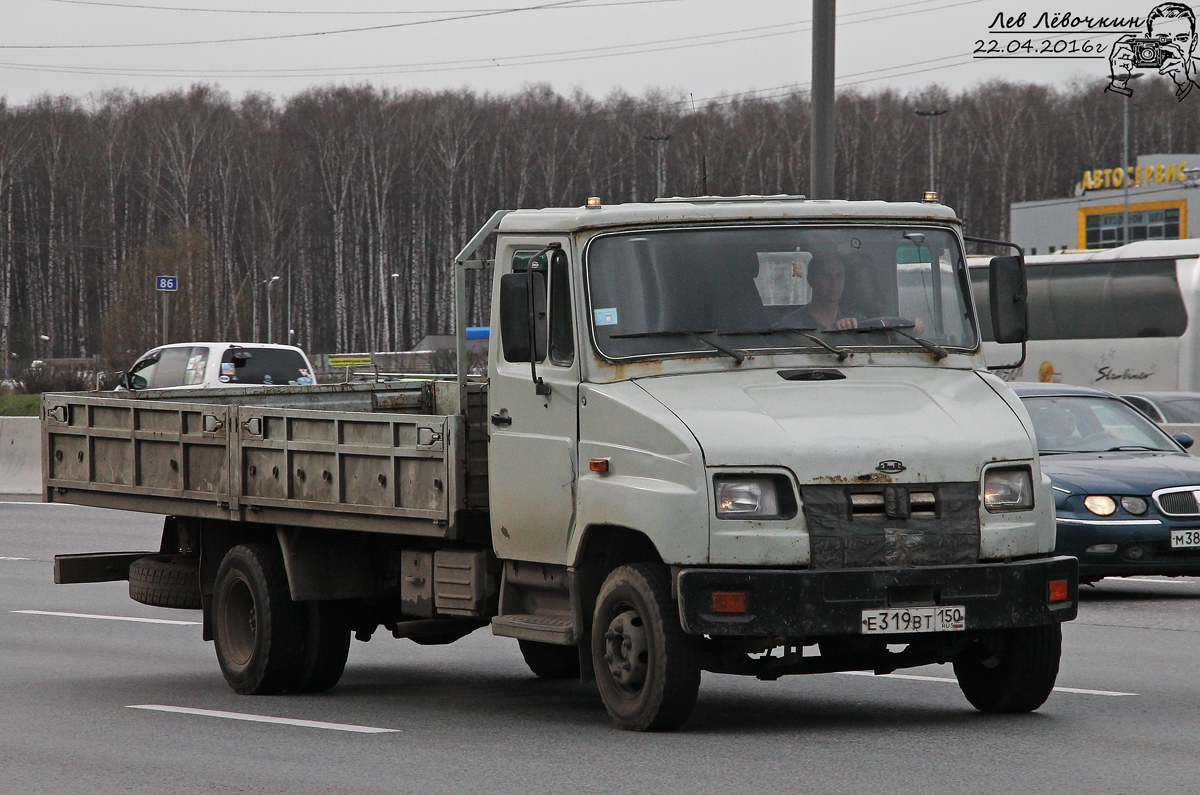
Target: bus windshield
[{"x": 691, "y": 291}]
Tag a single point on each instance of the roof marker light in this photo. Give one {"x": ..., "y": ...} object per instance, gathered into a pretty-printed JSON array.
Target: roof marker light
[{"x": 593, "y": 203}]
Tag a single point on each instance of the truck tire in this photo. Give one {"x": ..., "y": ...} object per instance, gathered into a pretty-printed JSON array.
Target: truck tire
[
  {"x": 166, "y": 581},
  {"x": 259, "y": 630},
  {"x": 325, "y": 648},
  {"x": 551, "y": 661},
  {"x": 647, "y": 667},
  {"x": 1019, "y": 678}
]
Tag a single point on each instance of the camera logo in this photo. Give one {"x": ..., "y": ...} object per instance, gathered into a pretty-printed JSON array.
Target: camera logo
[{"x": 1169, "y": 47}]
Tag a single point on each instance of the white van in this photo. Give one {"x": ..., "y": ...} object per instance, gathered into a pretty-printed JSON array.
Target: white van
[
  {"x": 1124, "y": 319},
  {"x": 217, "y": 365}
]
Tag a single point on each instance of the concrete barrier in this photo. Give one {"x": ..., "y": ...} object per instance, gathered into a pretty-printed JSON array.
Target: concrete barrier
[{"x": 20, "y": 455}]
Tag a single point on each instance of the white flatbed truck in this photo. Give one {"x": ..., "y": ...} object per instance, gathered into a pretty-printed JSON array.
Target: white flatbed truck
[{"x": 692, "y": 474}]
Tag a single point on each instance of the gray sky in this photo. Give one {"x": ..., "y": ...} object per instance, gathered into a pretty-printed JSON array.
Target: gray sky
[{"x": 708, "y": 48}]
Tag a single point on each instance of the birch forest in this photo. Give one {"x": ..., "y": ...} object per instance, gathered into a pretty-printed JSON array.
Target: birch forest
[{"x": 358, "y": 198}]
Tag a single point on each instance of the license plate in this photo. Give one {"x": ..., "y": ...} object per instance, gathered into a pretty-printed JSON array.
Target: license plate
[
  {"x": 1185, "y": 539},
  {"x": 947, "y": 618}
]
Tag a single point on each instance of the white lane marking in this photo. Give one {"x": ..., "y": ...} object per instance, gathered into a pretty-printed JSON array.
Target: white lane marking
[
  {"x": 1152, "y": 579},
  {"x": 308, "y": 724},
  {"x": 110, "y": 618},
  {"x": 31, "y": 502},
  {"x": 2, "y": 557},
  {"x": 1077, "y": 690}
]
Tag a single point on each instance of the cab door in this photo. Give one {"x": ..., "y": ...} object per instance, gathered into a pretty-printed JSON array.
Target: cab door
[{"x": 533, "y": 430}]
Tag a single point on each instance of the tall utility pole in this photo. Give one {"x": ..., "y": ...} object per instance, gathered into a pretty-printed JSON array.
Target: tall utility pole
[
  {"x": 931, "y": 115},
  {"x": 660, "y": 142},
  {"x": 821, "y": 173}
]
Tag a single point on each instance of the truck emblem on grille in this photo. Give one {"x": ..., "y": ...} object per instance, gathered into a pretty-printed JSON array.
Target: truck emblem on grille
[{"x": 891, "y": 467}]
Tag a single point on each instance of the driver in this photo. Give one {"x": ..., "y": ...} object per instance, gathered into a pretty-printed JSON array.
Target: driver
[{"x": 827, "y": 278}]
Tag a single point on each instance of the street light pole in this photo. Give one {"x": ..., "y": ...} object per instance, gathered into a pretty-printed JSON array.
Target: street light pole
[
  {"x": 660, "y": 142},
  {"x": 268, "y": 283},
  {"x": 1125, "y": 160},
  {"x": 395, "y": 312},
  {"x": 821, "y": 167},
  {"x": 931, "y": 115}
]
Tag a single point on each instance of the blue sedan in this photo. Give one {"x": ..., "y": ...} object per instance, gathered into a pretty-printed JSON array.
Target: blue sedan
[{"x": 1126, "y": 495}]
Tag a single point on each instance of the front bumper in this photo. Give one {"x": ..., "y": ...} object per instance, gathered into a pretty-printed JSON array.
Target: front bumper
[
  {"x": 803, "y": 603},
  {"x": 1143, "y": 546}
]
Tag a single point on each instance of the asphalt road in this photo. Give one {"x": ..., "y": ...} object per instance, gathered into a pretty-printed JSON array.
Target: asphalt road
[{"x": 470, "y": 718}]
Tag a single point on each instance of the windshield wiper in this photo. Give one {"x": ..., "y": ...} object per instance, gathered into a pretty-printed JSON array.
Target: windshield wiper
[
  {"x": 878, "y": 325},
  {"x": 736, "y": 355},
  {"x": 1131, "y": 447},
  {"x": 802, "y": 331}
]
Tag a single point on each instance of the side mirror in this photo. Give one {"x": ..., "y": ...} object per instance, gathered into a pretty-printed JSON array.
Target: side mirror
[
  {"x": 123, "y": 380},
  {"x": 1185, "y": 440},
  {"x": 137, "y": 381},
  {"x": 1008, "y": 299},
  {"x": 514, "y": 316}
]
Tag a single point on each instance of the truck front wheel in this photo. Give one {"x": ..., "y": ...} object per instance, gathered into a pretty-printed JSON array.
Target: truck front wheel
[
  {"x": 1015, "y": 675},
  {"x": 259, "y": 630},
  {"x": 647, "y": 667}
]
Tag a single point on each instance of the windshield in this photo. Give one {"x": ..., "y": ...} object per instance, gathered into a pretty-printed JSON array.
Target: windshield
[
  {"x": 1092, "y": 425},
  {"x": 773, "y": 288}
]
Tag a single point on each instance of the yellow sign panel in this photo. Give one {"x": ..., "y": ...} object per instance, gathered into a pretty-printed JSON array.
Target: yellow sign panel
[
  {"x": 349, "y": 360},
  {"x": 1135, "y": 175},
  {"x": 1082, "y": 213}
]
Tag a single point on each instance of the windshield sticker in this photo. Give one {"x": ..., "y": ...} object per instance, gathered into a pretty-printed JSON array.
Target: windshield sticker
[
  {"x": 224, "y": 379},
  {"x": 606, "y": 317}
]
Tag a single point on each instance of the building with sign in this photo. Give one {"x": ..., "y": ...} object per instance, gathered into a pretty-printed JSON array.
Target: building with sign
[{"x": 1160, "y": 190}]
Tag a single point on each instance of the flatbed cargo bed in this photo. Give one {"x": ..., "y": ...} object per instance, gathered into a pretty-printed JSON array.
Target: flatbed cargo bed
[{"x": 388, "y": 457}]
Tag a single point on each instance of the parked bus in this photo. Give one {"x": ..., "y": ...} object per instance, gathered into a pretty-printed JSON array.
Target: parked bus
[{"x": 1124, "y": 319}]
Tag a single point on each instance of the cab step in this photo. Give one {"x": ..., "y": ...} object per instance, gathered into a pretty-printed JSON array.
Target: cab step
[{"x": 543, "y": 629}]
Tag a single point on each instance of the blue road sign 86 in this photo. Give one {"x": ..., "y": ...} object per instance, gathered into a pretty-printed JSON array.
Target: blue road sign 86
[{"x": 168, "y": 284}]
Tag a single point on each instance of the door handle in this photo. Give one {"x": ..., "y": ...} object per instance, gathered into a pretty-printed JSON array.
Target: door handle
[{"x": 501, "y": 419}]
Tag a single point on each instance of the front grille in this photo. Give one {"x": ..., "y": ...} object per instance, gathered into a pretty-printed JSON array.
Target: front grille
[
  {"x": 1178, "y": 503},
  {"x": 927, "y": 524}
]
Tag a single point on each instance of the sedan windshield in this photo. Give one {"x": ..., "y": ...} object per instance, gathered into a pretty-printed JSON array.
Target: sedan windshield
[
  {"x": 821, "y": 289},
  {"x": 1085, "y": 424}
]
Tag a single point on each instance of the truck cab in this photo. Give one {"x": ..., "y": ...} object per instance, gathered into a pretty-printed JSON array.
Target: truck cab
[{"x": 781, "y": 404}]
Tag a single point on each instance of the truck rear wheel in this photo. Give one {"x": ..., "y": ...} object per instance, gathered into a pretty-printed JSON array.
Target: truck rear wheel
[
  {"x": 551, "y": 661},
  {"x": 259, "y": 630},
  {"x": 166, "y": 581},
  {"x": 647, "y": 667},
  {"x": 1016, "y": 678},
  {"x": 325, "y": 649}
]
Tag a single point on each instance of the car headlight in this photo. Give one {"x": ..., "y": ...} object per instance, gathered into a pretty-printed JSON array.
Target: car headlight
[
  {"x": 754, "y": 497},
  {"x": 1100, "y": 504},
  {"x": 1008, "y": 490},
  {"x": 1135, "y": 505}
]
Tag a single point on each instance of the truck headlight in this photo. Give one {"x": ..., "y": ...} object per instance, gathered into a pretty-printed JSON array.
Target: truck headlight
[
  {"x": 754, "y": 497},
  {"x": 1008, "y": 490}
]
